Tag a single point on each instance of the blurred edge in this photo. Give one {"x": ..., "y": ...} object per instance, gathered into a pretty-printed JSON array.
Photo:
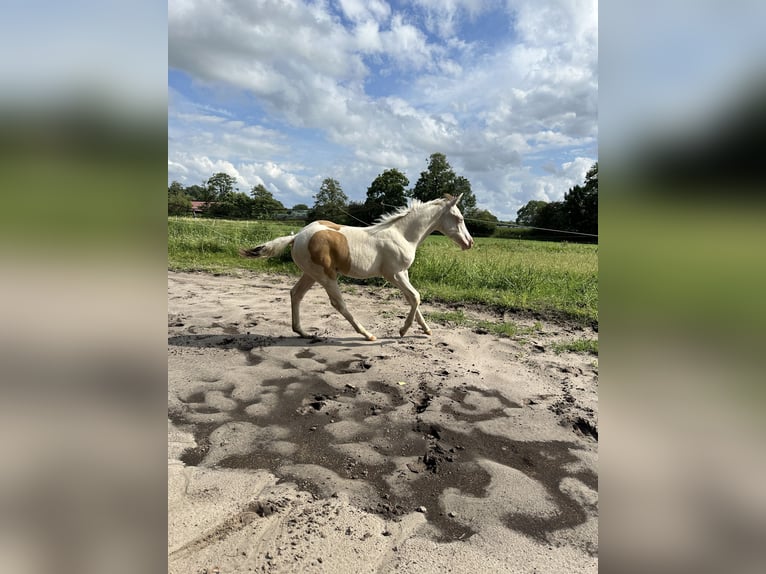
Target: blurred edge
[
  {"x": 83, "y": 250},
  {"x": 682, "y": 277},
  {"x": 83, "y": 142}
]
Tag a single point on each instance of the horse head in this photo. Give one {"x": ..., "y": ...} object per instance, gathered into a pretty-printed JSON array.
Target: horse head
[{"x": 452, "y": 224}]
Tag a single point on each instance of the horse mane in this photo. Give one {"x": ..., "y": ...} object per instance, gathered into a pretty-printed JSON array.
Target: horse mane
[
  {"x": 400, "y": 212},
  {"x": 415, "y": 205}
]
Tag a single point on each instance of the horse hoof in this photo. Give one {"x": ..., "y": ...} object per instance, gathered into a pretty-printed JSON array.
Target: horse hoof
[
  {"x": 371, "y": 338},
  {"x": 427, "y": 332}
]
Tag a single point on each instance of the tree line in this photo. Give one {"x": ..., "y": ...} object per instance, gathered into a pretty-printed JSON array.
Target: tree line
[
  {"x": 221, "y": 199},
  {"x": 578, "y": 211},
  {"x": 385, "y": 194},
  {"x": 389, "y": 191}
]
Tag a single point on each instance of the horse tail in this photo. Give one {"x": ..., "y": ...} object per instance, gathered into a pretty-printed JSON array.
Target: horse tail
[{"x": 270, "y": 249}]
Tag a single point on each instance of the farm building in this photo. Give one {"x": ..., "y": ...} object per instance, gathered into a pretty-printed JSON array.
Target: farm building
[{"x": 199, "y": 207}]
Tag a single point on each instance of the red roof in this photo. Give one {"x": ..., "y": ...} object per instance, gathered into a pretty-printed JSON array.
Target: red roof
[{"x": 201, "y": 205}]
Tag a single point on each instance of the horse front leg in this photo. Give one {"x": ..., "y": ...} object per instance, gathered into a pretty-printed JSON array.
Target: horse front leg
[{"x": 402, "y": 280}]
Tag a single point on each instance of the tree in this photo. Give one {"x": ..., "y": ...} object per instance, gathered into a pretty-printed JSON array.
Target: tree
[
  {"x": 330, "y": 202},
  {"x": 581, "y": 204},
  {"x": 386, "y": 193},
  {"x": 196, "y": 192},
  {"x": 176, "y": 188},
  {"x": 241, "y": 206},
  {"x": 300, "y": 207},
  {"x": 220, "y": 186},
  {"x": 434, "y": 182},
  {"x": 359, "y": 213},
  {"x": 236, "y": 205},
  {"x": 578, "y": 212},
  {"x": 178, "y": 203},
  {"x": 482, "y": 223},
  {"x": 264, "y": 205},
  {"x": 439, "y": 179},
  {"x": 468, "y": 203},
  {"x": 552, "y": 216},
  {"x": 528, "y": 214}
]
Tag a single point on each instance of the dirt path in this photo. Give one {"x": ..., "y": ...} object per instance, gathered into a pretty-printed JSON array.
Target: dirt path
[{"x": 463, "y": 451}]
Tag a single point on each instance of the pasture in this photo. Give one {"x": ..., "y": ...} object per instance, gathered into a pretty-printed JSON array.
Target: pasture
[{"x": 553, "y": 280}]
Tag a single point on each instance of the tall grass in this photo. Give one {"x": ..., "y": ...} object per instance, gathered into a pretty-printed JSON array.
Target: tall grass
[
  {"x": 553, "y": 279},
  {"x": 550, "y": 278},
  {"x": 213, "y": 244}
]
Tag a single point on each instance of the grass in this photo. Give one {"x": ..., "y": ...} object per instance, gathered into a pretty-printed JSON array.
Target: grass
[
  {"x": 558, "y": 279},
  {"x": 551, "y": 279},
  {"x": 577, "y": 346},
  {"x": 502, "y": 328},
  {"x": 213, "y": 245},
  {"x": 456, "y": 317}
]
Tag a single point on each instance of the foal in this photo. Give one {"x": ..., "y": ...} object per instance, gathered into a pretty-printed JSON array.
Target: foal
[{"x": 324, "y": 249}]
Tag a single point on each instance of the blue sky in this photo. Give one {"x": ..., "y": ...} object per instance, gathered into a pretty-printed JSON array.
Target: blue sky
[{"x": 289, "y": 92}]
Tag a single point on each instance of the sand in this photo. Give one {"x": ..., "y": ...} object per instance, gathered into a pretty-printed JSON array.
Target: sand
[{"x": 459, "y": 452}]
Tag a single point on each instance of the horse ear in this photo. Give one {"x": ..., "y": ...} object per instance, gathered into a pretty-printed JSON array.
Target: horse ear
[{"x": 451, "y": 199}]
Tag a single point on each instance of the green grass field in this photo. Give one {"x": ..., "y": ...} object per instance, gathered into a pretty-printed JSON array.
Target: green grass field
[{"x": 554, "y": 279}]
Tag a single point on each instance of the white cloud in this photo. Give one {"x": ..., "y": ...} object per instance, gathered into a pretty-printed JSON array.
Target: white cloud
[
  {"x": 194, "y": 131},
  {"x": 287, "y": 185},
  {"x": 363, "y": 11},
  {"x": 197, "y": 169},
  {"x": 289, "y": 55},
  {"x": 175, "y": 167},
  {"x": 550, "y": 22},
  {"x": 442, "y": 17},
  {"x": 406, "y": 44},
  {"x": 553, "y": 185},
  {"x": 280, "y": 179},
  {"x": 368, "y": 39}
]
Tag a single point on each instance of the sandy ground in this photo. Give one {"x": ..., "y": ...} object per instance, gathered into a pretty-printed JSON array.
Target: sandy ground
[{"x": 459, "y": 452}]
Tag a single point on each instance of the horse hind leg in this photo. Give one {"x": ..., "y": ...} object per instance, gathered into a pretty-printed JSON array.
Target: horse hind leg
[
  {"x": 336, "y": 299},
  {"x": 296, "y": 296}
]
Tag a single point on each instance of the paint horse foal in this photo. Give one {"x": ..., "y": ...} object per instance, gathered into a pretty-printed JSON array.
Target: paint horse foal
[{"x": 323, "y": 249}]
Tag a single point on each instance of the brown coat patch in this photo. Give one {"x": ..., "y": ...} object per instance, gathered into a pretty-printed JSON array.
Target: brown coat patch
[
  {"x": 330, "y": 224},
  {"x": 329, "y": 249}
]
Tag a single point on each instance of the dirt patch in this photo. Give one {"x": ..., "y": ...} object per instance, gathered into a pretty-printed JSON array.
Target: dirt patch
[{"x": 475, "y": 433}]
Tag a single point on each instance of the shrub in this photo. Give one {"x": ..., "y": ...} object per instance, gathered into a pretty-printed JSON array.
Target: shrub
[{"x": 481, "y": 223}]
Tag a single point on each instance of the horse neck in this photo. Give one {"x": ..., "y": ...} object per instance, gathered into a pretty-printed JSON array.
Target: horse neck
[{"x": 419, "y": 223}]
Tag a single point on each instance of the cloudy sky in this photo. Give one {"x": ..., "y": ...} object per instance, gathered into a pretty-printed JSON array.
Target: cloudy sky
[{"x": 289, "y": 92}]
